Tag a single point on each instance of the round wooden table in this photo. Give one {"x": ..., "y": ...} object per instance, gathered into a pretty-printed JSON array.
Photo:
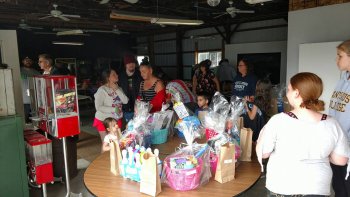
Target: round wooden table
[{"x": 101, "y": 182}]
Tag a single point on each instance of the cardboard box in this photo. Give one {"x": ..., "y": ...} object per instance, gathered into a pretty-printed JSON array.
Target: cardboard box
[{"x": 7, "y": 98}]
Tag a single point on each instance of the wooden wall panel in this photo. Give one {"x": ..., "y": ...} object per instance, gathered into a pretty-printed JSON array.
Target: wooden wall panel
[{"x": 305, "y": 4}]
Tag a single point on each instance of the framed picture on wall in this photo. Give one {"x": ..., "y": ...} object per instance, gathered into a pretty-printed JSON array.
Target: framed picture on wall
[{"x": 264, "y": 64}]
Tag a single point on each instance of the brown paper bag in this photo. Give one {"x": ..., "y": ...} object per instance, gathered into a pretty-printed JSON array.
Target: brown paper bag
[
  {"x": 246, "y": 144},
  {"x": 115, "y": 158},
  {"x": 149, "y": 175},
  {"x": 225, "y": 170},
  {"x": 240, "y": 123}
]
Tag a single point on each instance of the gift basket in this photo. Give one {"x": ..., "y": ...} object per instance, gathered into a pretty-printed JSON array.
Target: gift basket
[
  {"x": 214, "y": 121},
  {"x": 161, "y": 122},
  {"x": 131, "y": 161},
  {"x": 189, "y": 167},
  {"x": 215, "y": 144},
  {"x": 236, "y": 110},
  {"x": 139, "y": 129},
  {"x": 189, "y": 120},
  {"x": 184, "y": 114},
  {"x": 134, "y": 143},
  {"x": 221, "y": 126},
  {"x": 179, "y": 107}
]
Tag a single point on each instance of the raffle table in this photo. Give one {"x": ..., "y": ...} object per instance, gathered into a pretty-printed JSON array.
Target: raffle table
[{"x": 101, "y": 182}]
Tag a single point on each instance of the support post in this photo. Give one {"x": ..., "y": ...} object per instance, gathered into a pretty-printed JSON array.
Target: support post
[
  {"x": 179, "y": 58},
  {"x": 150, "y": 40}
]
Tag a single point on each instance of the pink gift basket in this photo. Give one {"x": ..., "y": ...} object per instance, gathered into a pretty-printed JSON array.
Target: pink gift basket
[
  {"x": 189, "y": 166},
  {"x": 183, "y": 179}
]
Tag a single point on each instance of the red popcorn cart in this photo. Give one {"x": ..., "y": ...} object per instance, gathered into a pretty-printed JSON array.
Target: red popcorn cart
[
  {"x": 57, "y": 105},
  {"x": 39, "y": 156}
]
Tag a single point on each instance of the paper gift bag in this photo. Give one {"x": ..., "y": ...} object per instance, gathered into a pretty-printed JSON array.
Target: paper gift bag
[
  {"x": 225, "y": 170},
  {"x": 240, "y": 123},
  {"x": 115, "y": 158},
  {"x": 149, "y": 175},
  {"x": 246, "y": 135}
]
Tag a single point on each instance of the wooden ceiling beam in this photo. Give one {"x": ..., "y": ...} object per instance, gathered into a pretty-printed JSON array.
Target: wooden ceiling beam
[
  {"x": 206, "y": 25},
  {"x": 220, "y": 32}
]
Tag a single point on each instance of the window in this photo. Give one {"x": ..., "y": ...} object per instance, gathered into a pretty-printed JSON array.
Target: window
[
  {"x": 214, "y": 56},
  {"x": 140, "y": 58}
]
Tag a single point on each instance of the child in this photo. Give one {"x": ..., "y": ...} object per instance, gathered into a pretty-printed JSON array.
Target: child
[
  {"x": 253, "y": 117},
  {"x": 113, "y": 133},
  {"x": 203, "y": 100}
]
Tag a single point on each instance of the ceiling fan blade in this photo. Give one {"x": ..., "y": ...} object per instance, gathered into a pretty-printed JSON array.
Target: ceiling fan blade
[
  {"x": 104, "y": 1},
  {"x": 97, "y": 31},
  {"x": 120, "y": 32},
  {"x": 44, "y": 33},
  {"x": 220, "y": 15},
  {"x": 63, "y": 18},
  {"x": 30, "y": 27},
  {"x": 131, "y": 1},
  {"x": 71, "y": 15},
  {"x": 45, "y": 17}
]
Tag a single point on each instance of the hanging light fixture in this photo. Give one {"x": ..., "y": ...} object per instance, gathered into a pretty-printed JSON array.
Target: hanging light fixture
[
  {"x": 174, "y": 21},
  {"x": 213, "y": 3},
  {"x": 255, "y": 1}
]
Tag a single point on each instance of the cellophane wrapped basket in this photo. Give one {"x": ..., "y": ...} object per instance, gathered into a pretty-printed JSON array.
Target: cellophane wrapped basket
[
  {"x": 138, "y": 130},
  {"x": 215, "y": 120},
  {"x": 189, "y": 167},
  {"x": 221, "y": 125}
]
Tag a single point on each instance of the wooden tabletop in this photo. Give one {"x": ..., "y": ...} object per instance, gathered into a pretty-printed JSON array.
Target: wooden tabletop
[{"x": 101, "y": 182}]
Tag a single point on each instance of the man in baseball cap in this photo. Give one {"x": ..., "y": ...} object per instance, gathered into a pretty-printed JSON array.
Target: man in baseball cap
[{"x": 129, "y": 81}]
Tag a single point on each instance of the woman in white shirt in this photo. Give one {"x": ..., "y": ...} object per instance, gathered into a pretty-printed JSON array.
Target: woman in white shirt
[
  {"x": 109, "y": 99},
  {"x": 301, "y": 143}
]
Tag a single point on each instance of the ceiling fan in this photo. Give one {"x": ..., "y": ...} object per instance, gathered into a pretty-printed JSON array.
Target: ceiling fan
[
  {"x": 232, "y": 11},
  {"x": 115, "y": 30},
  {"x": 129, "y": 1},
  {"x": 25, "y": 26},
  {"x": 58, "y": 14}
]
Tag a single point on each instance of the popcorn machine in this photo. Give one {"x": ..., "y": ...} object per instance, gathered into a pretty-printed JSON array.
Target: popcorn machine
[{"x": 57, "y": 105}]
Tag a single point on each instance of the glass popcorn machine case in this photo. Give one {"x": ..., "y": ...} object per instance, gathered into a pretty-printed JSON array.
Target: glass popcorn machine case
[
  {"x": 39, "y": 156},
  {"x": 57, "y": 105}
]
